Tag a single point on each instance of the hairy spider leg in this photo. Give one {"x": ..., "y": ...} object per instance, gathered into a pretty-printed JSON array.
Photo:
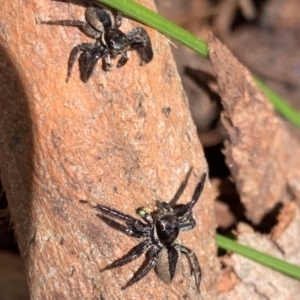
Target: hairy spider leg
[
  {"x": 140, "y": 41},
  {"x": 186, "y": 221},
  {"x": 184, "y": 212},
  {"x": 88, "y": 60},
  {"x": 144, "y": 269},
  {"x": 129, "y": 220},
  {"x": 164, "y": 206},
  {"x": 85, "y": 47},
  {"x": 114, "y": 213},
  {"x": 189, "y": 225},
  {"x": 83, "y": 26},
  {"x": 173, "y": 259},
  {"x": 197, "y": 192},
  {"x": 193, "y": 261},
  {"x": 133, "y": 254},
  {"x": 137, "y": 229},
  {"x": 108, "y": 65},
  {"x": 123, "y": 60}
]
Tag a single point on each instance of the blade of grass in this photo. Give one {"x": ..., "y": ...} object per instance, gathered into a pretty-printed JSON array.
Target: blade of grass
[
  {"x": 279, "y": 104},
  {"x": 260, "y": 257},
  {"x": 154, "y": 20}
]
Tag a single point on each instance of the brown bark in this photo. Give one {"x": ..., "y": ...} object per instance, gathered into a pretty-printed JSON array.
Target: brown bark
[
  {"x": 123, "y": 139},
  {"x": 263, "y": 157},
  {"x": 264, "y": 161}
]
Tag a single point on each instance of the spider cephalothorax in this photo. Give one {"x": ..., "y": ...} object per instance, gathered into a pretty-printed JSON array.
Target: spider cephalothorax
[
  {"x": 160, "y": 230},
  {"x": 110, "y": 41}
]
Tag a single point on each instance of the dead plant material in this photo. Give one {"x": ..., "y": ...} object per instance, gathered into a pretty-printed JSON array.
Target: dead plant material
[
  {"x": 257, "y": 281},
  {"x": 287, "y": 231},
  {"x": 264, "y": 159},
  {"x": 228, "y": 280}
]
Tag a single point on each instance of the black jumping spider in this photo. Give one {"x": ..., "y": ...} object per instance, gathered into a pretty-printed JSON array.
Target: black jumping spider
[
  {"x": 110, "y": 41},
  {"x": 160, "y": 230}
]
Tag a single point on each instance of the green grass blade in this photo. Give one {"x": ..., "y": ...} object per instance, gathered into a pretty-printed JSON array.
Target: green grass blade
[
  {"x": 260, "y": 257},
  {"x": 154, "y": 20},
  {"x": 279, "y": 104}
]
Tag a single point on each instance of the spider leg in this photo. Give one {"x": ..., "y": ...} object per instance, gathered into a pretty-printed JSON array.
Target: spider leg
[
  {"x": 112, "y": 212},
  {"x": 137, "y": 229},
  {"x": 197, "y": 192},
  {"x": 133, "y": 254},
  {"x": 186, "y": 222},
  {"x": 74, "y": 53},
  {"x": 108, "y": 65},
  {"x": 141, "y": 227},
  {"x": 83, "y": 26},
  {"x": 123, "y": 60},
  {"x": 88, "y": 60},
  {"x": 166, "y": 265},
  {"x": 134, "y": 226},
  {"x": 140, "y": 41},
  {"x": 194, "y": 264},
  {"x": 144, "y": 269},
  {"x": 187, "y": 225},
  {"x": 184, "y": 212}
]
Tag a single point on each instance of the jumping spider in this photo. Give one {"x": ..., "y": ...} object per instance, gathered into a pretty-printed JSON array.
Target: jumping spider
[
  {"x": 110, "y": 42},
  {"x": 160, "y": 230}
]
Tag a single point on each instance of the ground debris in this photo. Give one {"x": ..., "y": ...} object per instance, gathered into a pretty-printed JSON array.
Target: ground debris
[
  {"x": 260, "y": 152},
  {"x": 255, "y": 280}
]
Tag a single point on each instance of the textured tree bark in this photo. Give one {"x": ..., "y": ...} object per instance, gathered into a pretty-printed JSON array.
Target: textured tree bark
[{"x": 124, "y": 139}]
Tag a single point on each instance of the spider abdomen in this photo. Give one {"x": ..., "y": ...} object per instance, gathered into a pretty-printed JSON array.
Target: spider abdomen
[
  {"x": 167, "y": 264},
  {"x": 99, "y": 19},
  {"x": 167, "y": 229}
]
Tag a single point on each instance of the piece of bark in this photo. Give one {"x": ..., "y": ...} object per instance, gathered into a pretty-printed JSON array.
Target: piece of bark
[
  {"x": 257, "y": 281},
  {"x": 287, "y": 231},
  {"x": 124, "y": 139},
  {"x": 263, "y": 157},
  {"x": 228, "y": 280}
]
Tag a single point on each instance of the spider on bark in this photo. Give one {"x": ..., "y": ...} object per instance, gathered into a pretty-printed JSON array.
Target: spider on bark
[
  {"x": 160, "y": 230},
  {"x": 110, "y": 42}
]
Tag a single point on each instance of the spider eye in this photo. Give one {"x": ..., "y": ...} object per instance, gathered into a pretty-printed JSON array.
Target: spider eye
[{"x": 167, "y": 229}]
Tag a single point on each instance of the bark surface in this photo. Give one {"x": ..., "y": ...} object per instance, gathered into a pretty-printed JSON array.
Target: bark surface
[{"x": 124, "y": 139}]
